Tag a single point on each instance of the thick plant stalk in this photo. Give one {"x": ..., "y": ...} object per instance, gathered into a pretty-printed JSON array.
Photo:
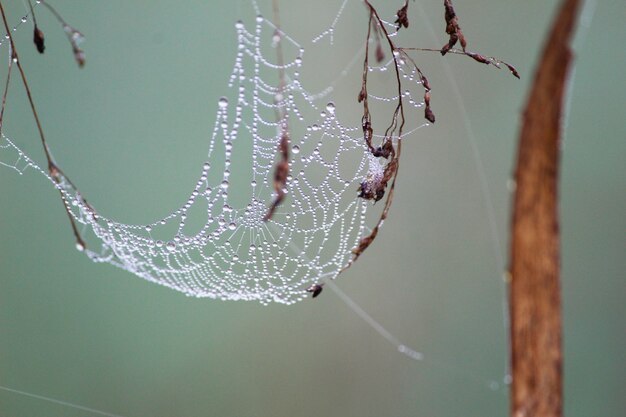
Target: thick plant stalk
[{"x": 535, "y": 309}]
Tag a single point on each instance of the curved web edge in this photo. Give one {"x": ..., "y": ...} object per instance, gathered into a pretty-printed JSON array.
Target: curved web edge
[{"x": 231, "y": 253}]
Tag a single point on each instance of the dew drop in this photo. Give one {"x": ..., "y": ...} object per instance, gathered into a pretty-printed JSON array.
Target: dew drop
[
  {"x": 223, "y": 102},
  {"x": 232, "y": 226},
  {"x": 330, "y": 108},
  {"x": 171, "y": 246},
  {"x": 80, "y": 247},
  {"x": 295, "y": 149}
]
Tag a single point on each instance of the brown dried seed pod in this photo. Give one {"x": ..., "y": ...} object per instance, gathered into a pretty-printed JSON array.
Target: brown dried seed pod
[{"x": 38, "y": 39}]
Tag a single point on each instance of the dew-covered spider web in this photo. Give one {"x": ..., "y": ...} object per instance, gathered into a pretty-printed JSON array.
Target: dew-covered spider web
[{"x": 217, "y": 244}]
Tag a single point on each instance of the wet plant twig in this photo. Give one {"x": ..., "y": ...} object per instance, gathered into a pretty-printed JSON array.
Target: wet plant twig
[
  {"x": 73, "y": 35},
  {"x": 38, "y": 37},
  {"x": 281, "y": 171},
  {"x": 488, "y": 60},
  {"x": 374, "y": 186},
  {"x": 53, "y": 169}
]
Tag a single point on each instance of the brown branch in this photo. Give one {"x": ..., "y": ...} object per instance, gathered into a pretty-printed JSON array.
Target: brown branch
[
  {"x": 53, "y": 169},
  {"x": 488, "y": 60},
  {"x": 374, "y": 186},
  {"x": 535, "y": 310}
]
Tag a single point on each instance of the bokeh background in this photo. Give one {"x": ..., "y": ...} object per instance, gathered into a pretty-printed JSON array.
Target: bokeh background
[{"x": 131, "y": 129}]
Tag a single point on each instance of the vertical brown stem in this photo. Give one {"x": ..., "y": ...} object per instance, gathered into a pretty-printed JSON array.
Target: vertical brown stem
[{"x": 536, "y": 355}]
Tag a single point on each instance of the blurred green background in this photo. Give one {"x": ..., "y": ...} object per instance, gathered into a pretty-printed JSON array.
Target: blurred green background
[{"x": 132, "y": 128}]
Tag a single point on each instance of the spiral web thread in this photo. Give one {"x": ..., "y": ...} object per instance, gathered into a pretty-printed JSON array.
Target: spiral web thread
[{"x": 217, "y": 243}]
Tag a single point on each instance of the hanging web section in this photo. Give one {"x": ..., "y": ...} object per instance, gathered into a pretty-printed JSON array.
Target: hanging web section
[{"x": 217, "y": 244}]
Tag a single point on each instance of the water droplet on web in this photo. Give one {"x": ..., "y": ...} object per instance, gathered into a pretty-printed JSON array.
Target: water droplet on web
[
  {"x": 259, "y": 19},
  {"x": 239, "y": 24},
  {"x": 24, "y": 19},
  {"x": 224, "y": 185},
  {"x": 330, "y": 108},
  {"x": 80, "y": 247},
  {"x": 295, "y": 149},
  {"x": 223, "y": 102},
  {"x": 171, "y": 246},
  {"x": 232, "y": 226}
]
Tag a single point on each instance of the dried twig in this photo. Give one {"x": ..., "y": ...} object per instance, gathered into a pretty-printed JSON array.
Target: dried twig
[
  {"x": 488, "y": 60},
  {"x": 38, "y": 37},
  {"x": 374, "y": 186},
  {"x": 55, "y": 172},
  {"x": 452, "y": 28},
  {"x": 73, "y": 35},
  {"x": 281, "y": 172},
  {"x": 536, "y": 355}
]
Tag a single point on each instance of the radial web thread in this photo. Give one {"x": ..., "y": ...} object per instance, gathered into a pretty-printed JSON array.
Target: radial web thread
[{"x": 217, "y": 243}]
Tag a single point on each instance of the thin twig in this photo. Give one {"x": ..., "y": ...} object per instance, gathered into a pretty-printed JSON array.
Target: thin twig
[
  {"x": 53, "y": 169},
  {"x": 281, "y": 171},
  {"x": 374, "y": 186}
]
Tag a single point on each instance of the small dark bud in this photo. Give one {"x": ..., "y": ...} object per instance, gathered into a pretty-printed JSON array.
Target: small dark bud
[
  {"x": 512, "y": 69},
  {"x": 403, "y": 19},
  {"x": 380, "y": 193},
  {"x": 362, "y": 95},
  {"x": 429, "y": 115},
  {"x": 315, "y": 289},
  {"x": 478, "y": 58},
  {"x": 451, "y": 42},
  {"x": 79, "y": 56},
  {"x": 384, "y": 150},
  {"x": 38, "y": 39}
]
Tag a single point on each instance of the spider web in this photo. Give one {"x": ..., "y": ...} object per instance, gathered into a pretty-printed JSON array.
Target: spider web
[{"x": 217, "y": 244}]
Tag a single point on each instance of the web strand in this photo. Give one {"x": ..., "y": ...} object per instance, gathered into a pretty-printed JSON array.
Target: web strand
[
  {"x": 322, "y": 213},
  {"x": 60, "y": 402}
]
